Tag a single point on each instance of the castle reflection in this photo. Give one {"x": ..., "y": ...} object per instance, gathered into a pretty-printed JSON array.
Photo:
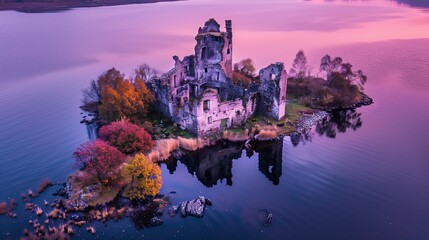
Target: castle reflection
[
  {"x": 270, "y": 159},
  {"x": 210, "y": 164},
  {"x": 213, "y": 164}
]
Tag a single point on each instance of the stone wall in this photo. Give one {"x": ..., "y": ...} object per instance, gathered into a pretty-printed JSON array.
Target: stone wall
[
  {"x": 273, "y": 91},
  {"x": 198, "y": 93}
]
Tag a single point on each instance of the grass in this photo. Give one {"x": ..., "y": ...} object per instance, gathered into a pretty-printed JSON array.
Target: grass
[
  {"x": 106, "y": 194},
  {"x": 294, "y": 109},
  {"x": 163, "y": 128},
  {"x": 100, "y": 193}
]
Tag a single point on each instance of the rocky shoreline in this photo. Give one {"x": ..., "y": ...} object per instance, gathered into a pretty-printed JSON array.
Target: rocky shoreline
[
  {"x": 308, "y": 120},
  {"x": 365, "y": 100},
  {"x": 61, "y": 219}
]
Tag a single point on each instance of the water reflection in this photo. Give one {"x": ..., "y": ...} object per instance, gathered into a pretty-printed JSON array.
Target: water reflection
[
  {"x": 414, "y": 3},
  {"x": 213, "y": 164},
  {"x": 92, "y": 130},
  {"x": 339, "y": 122},
  {"x": 270, "y": 159},
  {"x": 210, "y": 164}
]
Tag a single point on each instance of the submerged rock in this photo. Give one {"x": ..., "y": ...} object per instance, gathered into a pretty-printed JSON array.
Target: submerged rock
[
  {"x": 90, "y": 229},
  {"x": 156, "y": 221},
  {"x": 269, "y": 218}
]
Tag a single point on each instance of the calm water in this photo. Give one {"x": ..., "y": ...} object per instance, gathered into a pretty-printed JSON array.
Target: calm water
[{"x": 365, "y": 175}]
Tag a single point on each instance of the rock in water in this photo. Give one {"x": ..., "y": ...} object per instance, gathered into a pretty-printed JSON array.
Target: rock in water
[
  {"x": 269, "y": 219},
  {"x": 38, "y": 211},
  {"x": 183, "y": 208},
  {"x": 156, "y": 221},
  {"x": 173, "y": 210},
  {"x": 194, "y": 207},
  {"x": 90, "y": 229}
]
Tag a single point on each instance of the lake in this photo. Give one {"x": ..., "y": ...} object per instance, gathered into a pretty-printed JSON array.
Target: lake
[{"x": 361, "y": 175}]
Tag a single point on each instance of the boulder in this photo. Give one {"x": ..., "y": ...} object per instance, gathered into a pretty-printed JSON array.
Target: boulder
[
  {"x": 173, "y": 210},
  {"x": 194, "y": 207}
]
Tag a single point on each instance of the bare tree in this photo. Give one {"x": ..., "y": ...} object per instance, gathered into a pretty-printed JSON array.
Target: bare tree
[
  {"x": 145, "y": 72},
  {"x": 328, "y": 66},
  {"x": 299, "y": 66},
  {"x": 91, "y": 94}
]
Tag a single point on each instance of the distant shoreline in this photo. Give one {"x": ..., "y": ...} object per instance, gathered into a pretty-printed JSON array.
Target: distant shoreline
[{"x": 41, "y": 6}]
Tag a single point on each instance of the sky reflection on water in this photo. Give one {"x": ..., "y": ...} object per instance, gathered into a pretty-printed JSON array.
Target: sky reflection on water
[{"x": 364, "y": 184}]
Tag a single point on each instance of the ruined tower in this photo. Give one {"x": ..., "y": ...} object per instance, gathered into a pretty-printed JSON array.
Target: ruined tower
[
  {"x": 227, "y": 50},
  {"x": 199, "y": 94},
  {"x": 273, "y": 91},
  {"x": 213, "y": 52}
]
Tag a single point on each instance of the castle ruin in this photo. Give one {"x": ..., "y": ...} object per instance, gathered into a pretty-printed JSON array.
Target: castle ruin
[{"x": 198, "y": 94}]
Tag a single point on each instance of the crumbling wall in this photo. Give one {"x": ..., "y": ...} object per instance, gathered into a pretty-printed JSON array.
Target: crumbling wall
[
  {"x": 203, "y": 79},
  {"x": 227, "y": 50},
  {"x": 161, "y": 91},
  {"x": 214, "y": 115},
  {"x": 273, "y": 91}
]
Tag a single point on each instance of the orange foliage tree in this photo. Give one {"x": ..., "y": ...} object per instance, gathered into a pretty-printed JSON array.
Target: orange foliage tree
[
  {"x": 146, "y": 179},
  {"x": 244, "y": 72},
  {"x": 118, "y": 97}
]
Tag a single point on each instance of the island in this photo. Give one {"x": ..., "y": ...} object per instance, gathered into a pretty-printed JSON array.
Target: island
[{"x": 142, "y": 120}]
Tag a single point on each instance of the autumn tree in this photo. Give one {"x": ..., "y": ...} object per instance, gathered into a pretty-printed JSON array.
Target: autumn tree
[
  {"x": 244, "y": 72},
  {"x": 246, "y": 67},
  {"x": 92, "y": 94},
  {"x": 99, "y": 160},
  {"x": 126, "y": 137},
  {"x": 122, "y": 98},
  {"x": 146, "y": 179},
  {"x": 115, "y": 97}
]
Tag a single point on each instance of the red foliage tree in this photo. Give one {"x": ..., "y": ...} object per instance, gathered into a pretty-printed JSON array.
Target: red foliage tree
[
  {"x": 100, "y": 160},
  {"x": 126, "y": 137}
]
